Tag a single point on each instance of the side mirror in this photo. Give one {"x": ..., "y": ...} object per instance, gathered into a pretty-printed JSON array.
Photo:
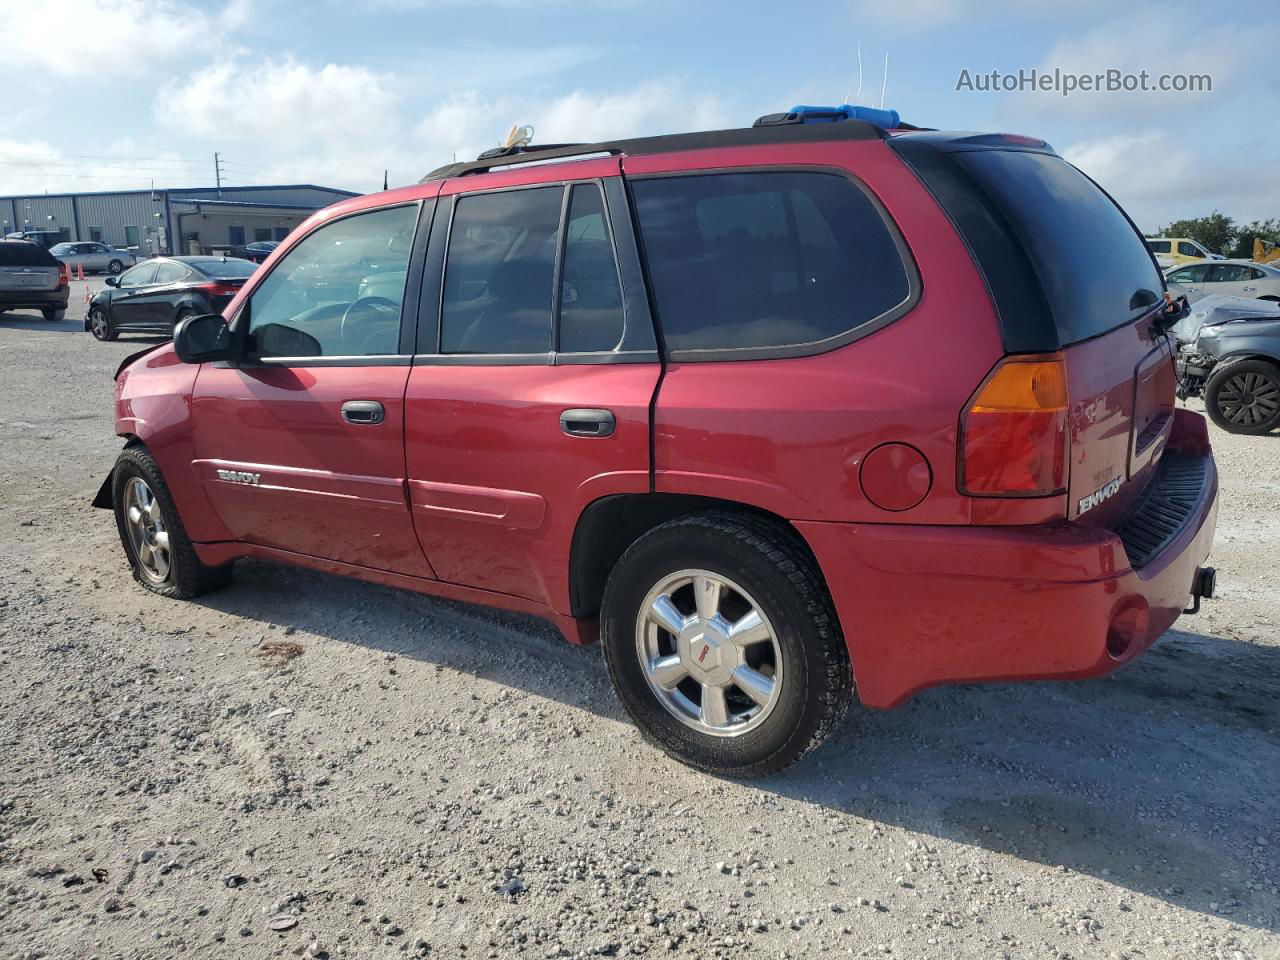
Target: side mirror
[
  {"x": 204, "y": 339},
  {"x": 279, "y": 340},
  {"x": 113, "y": 281}
]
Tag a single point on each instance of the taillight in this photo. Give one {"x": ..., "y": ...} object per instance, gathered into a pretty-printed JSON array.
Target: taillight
[
  {"x": 218, "y": 289},
  {"x": 64, "y": 275},
  {"x": 1014, "y": 434}
]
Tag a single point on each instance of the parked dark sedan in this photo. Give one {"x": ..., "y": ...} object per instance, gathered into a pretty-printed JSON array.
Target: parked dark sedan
[
  {"x": 156, "y": 294},
  {"x": 257, "y": 251}
]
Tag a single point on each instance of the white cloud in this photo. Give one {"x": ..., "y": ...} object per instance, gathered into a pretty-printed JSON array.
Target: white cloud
[
  {"x": 1158, "y": 177},
  {"x": 1223, "y": 51},
  {"x": 115, "y": 38},
  {"x": 468, "y": 123},
  {"x": 921, "y": 14},
  {"x": 283, "y": 121},
  {"x": 279, "y": 104}
]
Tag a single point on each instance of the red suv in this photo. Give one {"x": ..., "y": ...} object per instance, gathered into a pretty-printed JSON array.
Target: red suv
[{"x": 776, "y": 412}]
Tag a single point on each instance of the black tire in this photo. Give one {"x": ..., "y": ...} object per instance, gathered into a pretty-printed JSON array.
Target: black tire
[
  {"x": 100, "y": 324},
  {"x": 186, "y": 576},
  {"x": 1244, "y": 397},
  {"x": 114, "y": 267},
  {"x": 771, "y": 565},
  {"x": 54, "y": 314}
]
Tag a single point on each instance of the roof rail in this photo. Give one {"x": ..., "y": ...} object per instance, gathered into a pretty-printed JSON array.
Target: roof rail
[{"x": 669, "y": 143}]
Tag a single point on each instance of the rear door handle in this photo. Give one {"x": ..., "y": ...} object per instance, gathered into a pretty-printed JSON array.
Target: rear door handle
[
  {"x": 363, "y": 412},
  {"x": 588, "y": 422}
]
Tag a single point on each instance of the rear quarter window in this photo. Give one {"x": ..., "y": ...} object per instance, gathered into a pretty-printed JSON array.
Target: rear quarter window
[
  {"x": 767, "y": 263},
  {"x": 25, "y": 254}
]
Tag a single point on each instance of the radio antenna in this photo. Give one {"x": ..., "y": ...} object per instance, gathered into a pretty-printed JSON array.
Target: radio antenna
[
  {"x": 859, "y": 93},
  {"x": 884, "y": 82}
]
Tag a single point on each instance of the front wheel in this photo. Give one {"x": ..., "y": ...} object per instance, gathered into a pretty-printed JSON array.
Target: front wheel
[
  {"x": 1244, "y": 397},
  {"x": 114, "y": 267},
  {"x": 154, "y": 540},
  {"x": 721, "y": 640},
  {"x": 100, "y": 325}
]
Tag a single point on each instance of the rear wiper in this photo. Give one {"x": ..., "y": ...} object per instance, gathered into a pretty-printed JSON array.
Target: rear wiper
[{"x": 1171, "y": 314}]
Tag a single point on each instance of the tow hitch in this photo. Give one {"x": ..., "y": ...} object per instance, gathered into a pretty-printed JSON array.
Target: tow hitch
[{"x": 1202, "y": 586}]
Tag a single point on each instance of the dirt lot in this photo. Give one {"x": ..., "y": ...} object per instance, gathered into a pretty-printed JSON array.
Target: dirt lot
[{"x": 382, "y": 774}]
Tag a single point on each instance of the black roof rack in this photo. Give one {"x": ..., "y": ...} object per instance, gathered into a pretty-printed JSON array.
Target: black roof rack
[{"x": 670, "y": 143}]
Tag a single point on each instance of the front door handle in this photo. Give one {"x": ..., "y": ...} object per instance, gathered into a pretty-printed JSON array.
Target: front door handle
[
  {"x": 363, "y": 412},
  {"x": 582, "y": 422}
]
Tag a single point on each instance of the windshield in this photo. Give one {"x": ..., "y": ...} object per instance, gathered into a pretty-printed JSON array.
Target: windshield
[{"x": 61, "y": 249}]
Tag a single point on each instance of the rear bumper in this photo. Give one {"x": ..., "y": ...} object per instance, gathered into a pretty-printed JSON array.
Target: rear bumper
[
  {"x": 34, "y": 299},
  {"x": 922, "y": 606}
]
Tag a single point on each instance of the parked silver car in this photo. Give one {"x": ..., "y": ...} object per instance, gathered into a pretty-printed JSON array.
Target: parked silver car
[
  {"x": 93, "y": 256},
  {"x": 1227, "y": 278}
]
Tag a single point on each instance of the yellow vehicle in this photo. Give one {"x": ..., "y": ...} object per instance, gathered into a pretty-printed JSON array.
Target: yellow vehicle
[
  {"x": 1264, "y": 251},
  {"x": 1175, "y": 251}
]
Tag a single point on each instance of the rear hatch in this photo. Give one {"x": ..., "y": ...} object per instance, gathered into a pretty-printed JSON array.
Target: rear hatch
[
  {"x": 1072, "y": 277},
  {"x": 27, "y": 267}
]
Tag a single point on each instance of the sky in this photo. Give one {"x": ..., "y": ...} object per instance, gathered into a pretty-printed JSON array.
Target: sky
[{"x": 116, "y": 94}]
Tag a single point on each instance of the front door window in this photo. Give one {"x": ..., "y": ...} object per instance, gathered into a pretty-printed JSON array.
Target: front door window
[{"x": 338, "y": 292}]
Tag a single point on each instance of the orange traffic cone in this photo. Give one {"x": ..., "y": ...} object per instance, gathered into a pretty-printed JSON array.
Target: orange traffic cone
[
  {"x": 79, "y": 271},
  {"x": 86, "y": 295}
]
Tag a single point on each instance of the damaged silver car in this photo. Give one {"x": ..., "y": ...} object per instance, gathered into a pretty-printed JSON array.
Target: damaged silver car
[{"x": 1229, "y": 353}]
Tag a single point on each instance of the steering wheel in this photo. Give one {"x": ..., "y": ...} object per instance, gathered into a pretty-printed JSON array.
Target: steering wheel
[{"x": 376, "y": 308}]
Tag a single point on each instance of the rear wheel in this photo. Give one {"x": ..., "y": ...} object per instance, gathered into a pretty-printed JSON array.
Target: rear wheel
[
  {"x": 151, "y": 531},
  {"x": 100, "y": 325},
  {"x": 721, "y": 640},
  {"x": 1244, "y": 397},
  {"x": 53, "y": 314}
]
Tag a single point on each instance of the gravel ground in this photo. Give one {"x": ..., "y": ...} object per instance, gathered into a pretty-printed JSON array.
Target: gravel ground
[{"x": 303, "y": 765}]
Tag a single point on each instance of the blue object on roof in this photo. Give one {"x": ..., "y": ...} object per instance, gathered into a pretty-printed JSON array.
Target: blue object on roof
[{"x": 847, "y": 111}]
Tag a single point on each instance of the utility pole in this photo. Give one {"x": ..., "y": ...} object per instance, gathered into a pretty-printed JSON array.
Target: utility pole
[{"x": 217, "y": 174}]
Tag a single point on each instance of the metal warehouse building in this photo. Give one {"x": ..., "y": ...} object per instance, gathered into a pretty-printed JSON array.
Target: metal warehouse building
[{"x": 174, "y": 221}]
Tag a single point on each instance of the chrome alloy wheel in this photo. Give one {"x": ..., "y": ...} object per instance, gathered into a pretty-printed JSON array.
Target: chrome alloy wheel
[
  {"x": 98, "y": 323},
  {"x": 709, "y": 653},
  {"x": 146, "y": 529}
]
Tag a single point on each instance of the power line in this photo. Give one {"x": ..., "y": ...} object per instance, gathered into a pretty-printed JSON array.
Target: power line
[
  {"x": 94, "y": 156},
  {"x": 46, "y": 165},
  {"x": 73, "y": 176}
]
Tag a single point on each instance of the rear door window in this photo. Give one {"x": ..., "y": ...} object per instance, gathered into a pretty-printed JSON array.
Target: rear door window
[
  {"x": 1229, "y": 273},
  {"x": 591, "y": 317},
  {"x": 170, "y": 273},
  {"x": 1158, "y": 246},
  {"x": 499, "y": 278},
  {"x": 770, "y": 262}
]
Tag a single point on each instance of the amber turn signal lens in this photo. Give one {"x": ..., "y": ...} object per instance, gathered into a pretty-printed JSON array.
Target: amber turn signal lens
[
  {"x": 1024, "y": 386},
  {"x": 1015, "y": 432}
]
